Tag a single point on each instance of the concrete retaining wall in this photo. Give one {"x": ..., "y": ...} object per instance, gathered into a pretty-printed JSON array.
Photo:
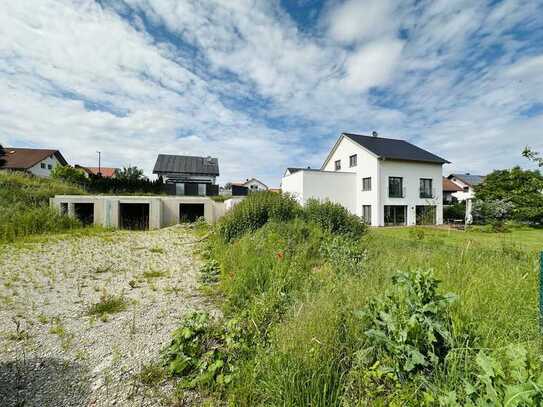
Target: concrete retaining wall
[{"x": 163, "y": 210}]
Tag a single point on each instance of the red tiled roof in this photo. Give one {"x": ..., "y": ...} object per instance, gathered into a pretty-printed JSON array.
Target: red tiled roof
[
  {"x": 449, "y": 186},
  {"x": 107, "y": 172},
  {"x": 25, "y": 158}
]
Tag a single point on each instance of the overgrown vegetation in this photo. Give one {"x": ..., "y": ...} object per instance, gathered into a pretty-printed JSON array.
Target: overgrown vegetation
[
  {"x": 24, "y": 206},
  {"x": 327, "y": 317}
]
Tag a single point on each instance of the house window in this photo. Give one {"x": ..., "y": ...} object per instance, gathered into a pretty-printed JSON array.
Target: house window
[
  {"x": 42, "y": 165},
  {"x": 180, "y": 189},
  {"x": 49, "y": 167},
  {"x": 366, "y": 213},
  {"x": 366, "y": 184},
  {"x": 337, "y": 165},
  {"x": 352, "y": 161},
  {"x": 395, "y": 187},
  {"x": 426, "y": 188},
  {"x": 466, "y": 189}
]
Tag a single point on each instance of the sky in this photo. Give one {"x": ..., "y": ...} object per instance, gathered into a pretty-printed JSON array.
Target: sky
[{"x": 265, "y": 85}]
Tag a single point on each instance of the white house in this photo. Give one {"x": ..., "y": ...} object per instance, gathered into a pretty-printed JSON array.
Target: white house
[
  {"x": 385, "y": 181},
  {"x": 466, "y": 182},
  {"x": 39, "y": 162},
  {"x": 252, "y": 185}
]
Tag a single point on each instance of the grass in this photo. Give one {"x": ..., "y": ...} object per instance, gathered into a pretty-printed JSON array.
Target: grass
[
  {"x": 299, "y": 305},
  {"x": 108, "y": 304},
  {"x": 24, "y": 206}
]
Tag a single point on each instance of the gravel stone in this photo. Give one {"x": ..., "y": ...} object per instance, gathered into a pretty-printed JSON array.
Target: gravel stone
[{"x": 53, "y": 353}]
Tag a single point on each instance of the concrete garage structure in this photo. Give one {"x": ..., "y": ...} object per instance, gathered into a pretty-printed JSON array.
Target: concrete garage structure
[{"x": 140, "y": 212}]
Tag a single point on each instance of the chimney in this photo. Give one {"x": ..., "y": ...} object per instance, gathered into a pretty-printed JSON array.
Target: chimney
[{"x": 374, "y": 133}]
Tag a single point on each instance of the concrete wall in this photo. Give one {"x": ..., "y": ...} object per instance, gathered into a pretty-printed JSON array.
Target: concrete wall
[
  {"x": 337, "y": 187},
  {"x": 163, "y": 210}
]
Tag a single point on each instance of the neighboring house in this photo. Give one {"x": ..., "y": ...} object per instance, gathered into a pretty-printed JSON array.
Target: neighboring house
[
  {"x": 253, "y": 185},
  {"x": 385, "y": 181},
  {"x": 39, "y": 162},
  {"x": 106, "y": 172},
  {"x": 450, "y": 188},
  {"x": 188, "y": 175},
  {"x": 466, "y": 182}
]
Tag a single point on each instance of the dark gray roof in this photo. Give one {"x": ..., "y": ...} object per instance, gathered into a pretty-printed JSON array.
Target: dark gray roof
[
  {"x": 393, "y": 149},
  {"x": 186, "y": 164},
  {"x": 469, "y": 178}
]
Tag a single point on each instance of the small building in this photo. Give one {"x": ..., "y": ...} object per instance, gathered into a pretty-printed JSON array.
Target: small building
[
  {"x": 466, "y": 182},
  {"x": 449, "y": 189},
  {"x": 106, "y": 172},
  {"x": 39, "y": 162},
  {"x": 188, "y": 175},
  {"x": 385, "y": 181},
  {"x": 252, "y": 185}
]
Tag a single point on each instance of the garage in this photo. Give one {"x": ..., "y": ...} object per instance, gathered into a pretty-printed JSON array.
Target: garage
[
  {"x": 134, "y": 216},
  {"x": 190, "y": 212},
  {"x": 84, "y": 212}
]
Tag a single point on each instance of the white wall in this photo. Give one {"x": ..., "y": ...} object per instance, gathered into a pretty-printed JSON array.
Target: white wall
[
  {"x": 337, "y": 187},
  {"x": 412, "y": 172},
  {"x": 45, "y": 172},
  {"x": 366, "y": 167},
  {"x": 255, "y": 185},
  {"x": 461, "y": 195}
]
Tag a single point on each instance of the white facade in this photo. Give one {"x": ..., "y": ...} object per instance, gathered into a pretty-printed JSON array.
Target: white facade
[
  {"x": 255, "y": 185},
  {"x": 346, "y": 186},
  {"x": 467, "y": 193},
  {"x": 44, "y": 167}
]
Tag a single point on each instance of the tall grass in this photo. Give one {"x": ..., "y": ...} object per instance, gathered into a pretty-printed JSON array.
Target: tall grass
[{"x": 24, "y": 206}]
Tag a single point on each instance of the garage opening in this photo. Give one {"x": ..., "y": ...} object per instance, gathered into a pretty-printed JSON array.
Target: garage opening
[
  {"x": 84, "y": 212},
  {"x": 134, "y": 216},
  {"x": 190, "y": 212}
]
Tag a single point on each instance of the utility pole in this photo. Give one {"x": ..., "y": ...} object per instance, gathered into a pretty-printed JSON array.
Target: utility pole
[{"x": 99, "y": 163}]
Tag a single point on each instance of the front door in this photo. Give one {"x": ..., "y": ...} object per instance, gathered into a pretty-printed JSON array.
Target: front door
[{"x": 395, "y": 215}]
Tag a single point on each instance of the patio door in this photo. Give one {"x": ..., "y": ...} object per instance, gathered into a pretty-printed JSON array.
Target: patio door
[{"x": 395, "y": 215}]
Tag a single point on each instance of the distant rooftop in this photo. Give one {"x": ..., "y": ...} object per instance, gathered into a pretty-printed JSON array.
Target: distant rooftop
[
  {"x": 25, "y": 158},
  {"x": 468, "y": 178},
  {"x": 166, "y": 163},
  {"x": 394, "y": 149}
]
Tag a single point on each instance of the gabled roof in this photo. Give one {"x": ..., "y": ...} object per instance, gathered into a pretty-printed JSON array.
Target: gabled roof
[
  {"x": 394, "y": 149},
  {"x": 186, "y": 164},
  {"x": 25, "y": 158},
  {"x": 469, "y": 179},
  {"x": 242, "y": 183},
  {"x": 107, "y": 172},
  {"x": 449, "y": 186}
]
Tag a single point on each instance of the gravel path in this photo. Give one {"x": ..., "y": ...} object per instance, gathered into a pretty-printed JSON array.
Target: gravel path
[{"x": 53, "y": 353}]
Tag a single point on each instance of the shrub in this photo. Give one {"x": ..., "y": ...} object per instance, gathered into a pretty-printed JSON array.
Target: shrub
[
  {"x": 454, "y": 211},
  {"x": 407, "y": 330},
  {"x": 255, "y": 211},
  {"x": 69, "y": 174},
  {"x": 334, "y": 218},
  {"x": 203, "y": 351},
  {"x": 108, "y": 304}
]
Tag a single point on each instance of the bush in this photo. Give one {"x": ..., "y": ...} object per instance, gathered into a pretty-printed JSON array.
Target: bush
[
  {"x": 334, "y": 218},
  {"x": 343, "y": 253},
  {"x": 255, "y": 211},
  {"x": 203, "y": 351},
  {"x": 454, "y": 211}
]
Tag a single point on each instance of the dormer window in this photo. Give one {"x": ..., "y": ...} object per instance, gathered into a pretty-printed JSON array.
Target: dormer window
[
  {"x": 352, "y": 161},
  {"x": 337, "y": 165}
]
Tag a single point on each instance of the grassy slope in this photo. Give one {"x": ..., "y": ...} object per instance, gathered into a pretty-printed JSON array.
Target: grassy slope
[
  {"x": 24, "y": 206},
  {"x": 311, "y": 347}
]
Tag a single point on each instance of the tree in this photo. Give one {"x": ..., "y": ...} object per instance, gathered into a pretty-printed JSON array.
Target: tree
[
  {"x": 2, "y": 155},
  {"x": 130, "y": 174},
  {"x": 512, "y": 194},
  {"x": 533, "y": 156},
  {"x": 69, "y": 174}
]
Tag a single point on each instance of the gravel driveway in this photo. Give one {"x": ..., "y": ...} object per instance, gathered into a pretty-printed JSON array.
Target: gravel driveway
[{"x": 55, "y": 352}]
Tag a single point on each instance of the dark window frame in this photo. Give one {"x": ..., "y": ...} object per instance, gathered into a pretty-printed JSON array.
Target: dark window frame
[
  {"x": 425, "y": 190},
  {"x": 43, "y": 166},
  {"x": 398, "y": 193},
  {"x": 353, "y": 160},
  {"x": 365, "y": 187},
  {"x": 337, "y": 165}
]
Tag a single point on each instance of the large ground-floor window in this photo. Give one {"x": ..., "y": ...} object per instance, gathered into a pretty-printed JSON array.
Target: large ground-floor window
[
  {"x": 426, "y": 215},
  {"x": 366, "y": 214},
  {"x": 395, "y": 215}
]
